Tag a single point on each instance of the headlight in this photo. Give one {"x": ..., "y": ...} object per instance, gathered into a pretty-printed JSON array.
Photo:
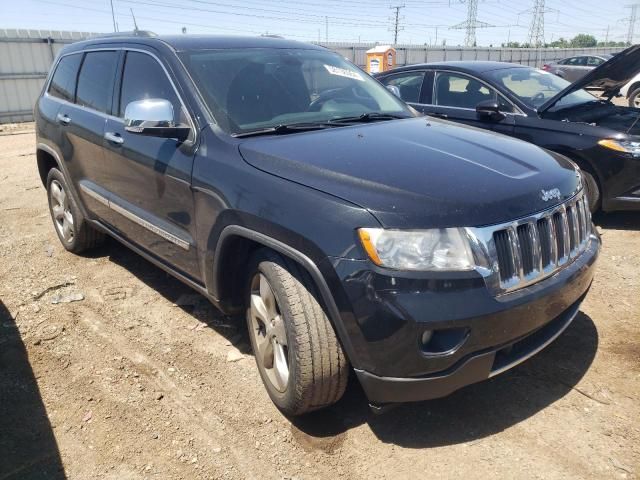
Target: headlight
[
  {"x": 625, "y": 146},
  {"x": 437, "y": 249}
]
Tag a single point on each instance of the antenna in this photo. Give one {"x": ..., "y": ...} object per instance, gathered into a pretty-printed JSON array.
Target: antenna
[
  {"x": 113, "y": 17},
  {"x": 135, "y": 25},
  {"x": 471, "y": 23}
]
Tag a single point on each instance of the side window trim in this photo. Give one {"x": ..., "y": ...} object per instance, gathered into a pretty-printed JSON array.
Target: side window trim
[
  {"x": 516, "y": 109},
  {"x": 188, "y": 114}
]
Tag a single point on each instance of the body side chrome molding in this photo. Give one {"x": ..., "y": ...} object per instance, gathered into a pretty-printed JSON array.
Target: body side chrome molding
[
  {"x": 158, "y": 263},
  {"x": 135, "y": 218}
]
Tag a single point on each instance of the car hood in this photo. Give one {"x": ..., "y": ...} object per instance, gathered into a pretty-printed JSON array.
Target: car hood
[
  {"x": 611, "y": 76},
  {"x": 419, "y": 172}
]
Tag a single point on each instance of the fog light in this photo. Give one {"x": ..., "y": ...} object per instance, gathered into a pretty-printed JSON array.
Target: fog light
[{"x": 426, "y": 337}]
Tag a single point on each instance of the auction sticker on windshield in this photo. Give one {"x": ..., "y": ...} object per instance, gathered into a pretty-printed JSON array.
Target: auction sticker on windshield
[{"x": 343, "y": 72}]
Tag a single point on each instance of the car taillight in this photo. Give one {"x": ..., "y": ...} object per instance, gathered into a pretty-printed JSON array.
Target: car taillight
[{"x": 546, "y": 67}]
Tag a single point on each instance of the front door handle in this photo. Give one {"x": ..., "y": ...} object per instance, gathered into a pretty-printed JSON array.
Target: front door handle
[
  {"x": 114, "y": 138},
  {"x": 439, "y": 115},
  {"x": 63, "y": 118}
]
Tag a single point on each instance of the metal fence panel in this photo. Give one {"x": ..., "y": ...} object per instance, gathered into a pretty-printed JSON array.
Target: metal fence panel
[{"x": 27, "y": 55}]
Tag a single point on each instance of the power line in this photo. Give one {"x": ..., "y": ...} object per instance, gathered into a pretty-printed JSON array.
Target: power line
[{"x": 396, "y": 22}]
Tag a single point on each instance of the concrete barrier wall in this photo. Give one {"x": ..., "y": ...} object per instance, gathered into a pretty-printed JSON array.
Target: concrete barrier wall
[{"x": 27, "y": 55}]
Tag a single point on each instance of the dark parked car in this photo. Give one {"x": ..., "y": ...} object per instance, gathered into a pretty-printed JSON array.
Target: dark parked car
[
  {"x": 533, "y": 105},
  {"x": 280, "y": 181},
  {"x": 574, "y": 68}
]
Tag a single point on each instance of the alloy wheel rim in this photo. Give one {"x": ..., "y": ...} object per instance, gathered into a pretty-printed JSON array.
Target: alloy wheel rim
[
  {"x": 61, "y": 211},
  {"x": 269, "y": 333}
]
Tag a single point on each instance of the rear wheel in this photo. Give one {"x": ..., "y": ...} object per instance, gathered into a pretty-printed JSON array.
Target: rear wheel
[
  {"x": 75, "y": 234},
  {"x": 634, "y": 98},
  {"x": 300, "y": 360}
]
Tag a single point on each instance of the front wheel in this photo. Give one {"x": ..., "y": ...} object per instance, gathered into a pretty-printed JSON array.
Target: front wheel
[
  {"x": 634, "y": 98},
  {"x": 593, "y": 191},
  {"x": 300, "y": 360}
]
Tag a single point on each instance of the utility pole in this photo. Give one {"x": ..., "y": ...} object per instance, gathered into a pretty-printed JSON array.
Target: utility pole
[
  {"x": 113, "y": 17},
  {"x": 606, "y": 37},
  {"x": 396, "y": 22},
  {"x": 632, "y": 22},
  {"x": 471, "y": 23},
  {"x": 326, "y": 29}
]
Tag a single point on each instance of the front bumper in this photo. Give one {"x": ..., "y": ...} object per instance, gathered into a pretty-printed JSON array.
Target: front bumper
[
  {"x": 478, "y": 367},
  {"x": 391, "y": 313}
]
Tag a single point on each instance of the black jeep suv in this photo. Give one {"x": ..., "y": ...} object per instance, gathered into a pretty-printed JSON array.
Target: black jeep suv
[{"x": 279, "y": 180}]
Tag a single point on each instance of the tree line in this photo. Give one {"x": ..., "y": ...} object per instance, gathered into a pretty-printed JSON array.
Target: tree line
[{"x": 582, "y": 40}]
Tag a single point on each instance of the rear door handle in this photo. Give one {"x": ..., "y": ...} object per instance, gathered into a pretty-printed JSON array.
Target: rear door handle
[
  {"x": 63, "y": 118},
  {"x": 114, "y": 138},
  {"x": 439, "y": 115}
]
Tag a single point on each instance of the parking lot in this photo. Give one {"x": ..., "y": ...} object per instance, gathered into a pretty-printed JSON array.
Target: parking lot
[{"x": 109, "y": 368}]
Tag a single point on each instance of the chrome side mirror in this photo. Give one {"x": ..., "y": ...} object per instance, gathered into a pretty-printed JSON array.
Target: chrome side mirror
[
  {"x": 153, "y": 117},
  {"x": 395, "y": 90}
]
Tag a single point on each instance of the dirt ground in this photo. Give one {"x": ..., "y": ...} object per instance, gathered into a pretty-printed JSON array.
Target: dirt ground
[{"x": 142, "y": 378}]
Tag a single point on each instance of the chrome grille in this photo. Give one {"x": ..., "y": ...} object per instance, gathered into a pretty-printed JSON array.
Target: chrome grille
[
  {"x": 525, "y": 251},
  {"x": 531, "y": 250}
]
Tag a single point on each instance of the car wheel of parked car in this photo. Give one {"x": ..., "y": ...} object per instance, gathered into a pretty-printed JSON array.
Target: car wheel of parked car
[
  {"x": 300, "y": 360},
  {"x": 75, "y": 234},
  {"x": 593, "y": 191},
  {"x": 634, "y": 98}
]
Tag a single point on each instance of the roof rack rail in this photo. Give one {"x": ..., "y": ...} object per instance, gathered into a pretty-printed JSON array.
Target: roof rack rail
[
  {"x": 271, "y": 35},
  {"x": 132, "y": 33}
]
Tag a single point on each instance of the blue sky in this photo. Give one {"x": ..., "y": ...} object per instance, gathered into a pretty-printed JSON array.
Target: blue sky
[{"x": 348, "y": 20}]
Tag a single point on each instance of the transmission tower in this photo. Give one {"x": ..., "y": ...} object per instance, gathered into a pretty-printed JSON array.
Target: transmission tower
[
  {"x": 536, "y": 30},
  {"x": 632, "y": 22},
  {"x": 396, "y": 22},
  {"x": 471, "y": 23}
]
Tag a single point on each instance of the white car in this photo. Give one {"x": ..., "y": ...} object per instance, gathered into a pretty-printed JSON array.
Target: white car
[{"x": 631, "y": 91}]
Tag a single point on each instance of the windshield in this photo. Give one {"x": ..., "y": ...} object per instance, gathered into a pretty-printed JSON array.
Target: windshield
[
  {"x": 254, "y": 89},
  {"x": 535, "y": 87}
]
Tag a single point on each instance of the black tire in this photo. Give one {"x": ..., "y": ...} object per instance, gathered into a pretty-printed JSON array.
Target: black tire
[
  {"x": 593, "y": 191},
  {"x": 317, "y": 366},
  {"x": 83, "y": 236},
  {"x": 634, "y": 97}
]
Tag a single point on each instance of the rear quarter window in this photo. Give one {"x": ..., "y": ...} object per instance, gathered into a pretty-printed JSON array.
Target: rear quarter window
[
  {"x": 95, "y": 82},
  {"x": 63, "y": 83}
]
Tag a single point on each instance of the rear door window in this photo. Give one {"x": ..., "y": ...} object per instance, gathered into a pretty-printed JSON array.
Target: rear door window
[
  {"x": 409, "y": 84},
  {"x": 95, "y": 82},
  {"x": 63, "y": 83},
  {"x": 594, "y": 61},
  {"x": 576, "y": 61}
]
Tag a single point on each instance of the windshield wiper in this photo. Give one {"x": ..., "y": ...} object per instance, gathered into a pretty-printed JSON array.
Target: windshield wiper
[
  {"x": 283, "y": 129},
  {"x": 368, "y": 117}
]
